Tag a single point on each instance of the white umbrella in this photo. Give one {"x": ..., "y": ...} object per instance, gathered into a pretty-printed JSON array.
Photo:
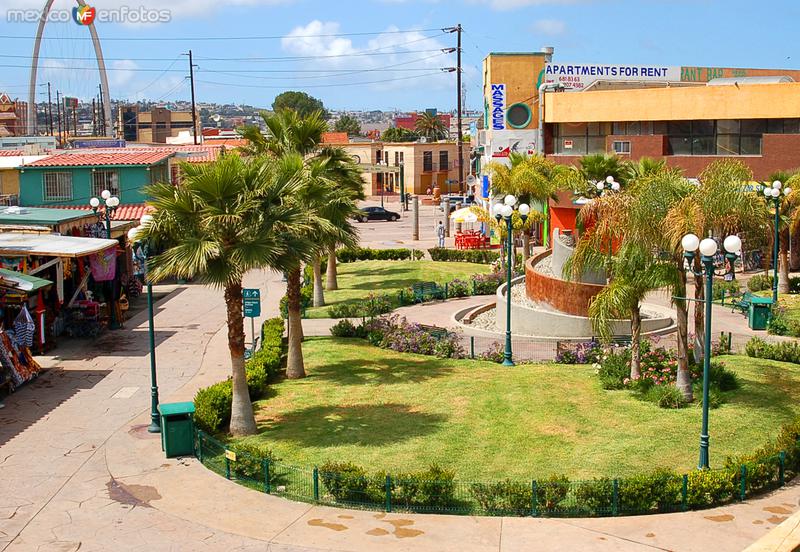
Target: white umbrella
[{"x": 464, "y": 215}]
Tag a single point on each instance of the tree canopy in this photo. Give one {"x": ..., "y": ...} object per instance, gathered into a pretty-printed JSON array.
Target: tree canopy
[
  {"x": 396, "y": 134},
  {"x": 300, "y": 102},
  {"x": 348, "y": 124}
]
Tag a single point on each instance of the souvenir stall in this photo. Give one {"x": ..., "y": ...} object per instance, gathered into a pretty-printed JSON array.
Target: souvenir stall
[
  {"x": 19, "y": 297},
  {"x": 80, "y": 268}
]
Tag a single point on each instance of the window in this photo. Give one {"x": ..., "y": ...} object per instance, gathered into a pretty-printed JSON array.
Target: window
[
  {"x": 105, "y": 180},
  {"x": 427, "y": 161},
  {"x": 621, "y": 146},
  {"x": 378, "y": 157},
  {"x": 396, "y": 158},
  {"x": 581, "y": 138},
  {"x": 443, "y": 160},
  {"x": 401, "y": 156},
  {"x": 518, "y": 115},
  {"x": 57, "y": 186}
]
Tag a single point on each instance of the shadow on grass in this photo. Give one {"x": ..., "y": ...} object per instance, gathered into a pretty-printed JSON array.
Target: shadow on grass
[
  {"x": 765, "y": 396},
  {"x": 383, "y": 372},
  {"x": 364, "y": 425}
]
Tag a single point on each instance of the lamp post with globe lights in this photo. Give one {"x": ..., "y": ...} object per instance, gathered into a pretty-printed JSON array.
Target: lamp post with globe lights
[
  {"x": 708, "y": 248},
  {"x": 133, "y": 237},
  {"x": 110, "y": 204},
  {"x": 505, "y": 210},
  {"x": 773, "y": 194}
]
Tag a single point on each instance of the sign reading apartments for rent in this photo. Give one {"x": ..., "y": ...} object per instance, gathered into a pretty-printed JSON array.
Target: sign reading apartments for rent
[{"x": 577, "y": 76}]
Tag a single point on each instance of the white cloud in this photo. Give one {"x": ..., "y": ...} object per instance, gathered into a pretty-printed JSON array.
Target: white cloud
[
  {"x": 505, "y": 5},
  {"x": 122, "y": 73},
  {"x": 549, "y": 27},
  {"x": 398, "y": 57}
]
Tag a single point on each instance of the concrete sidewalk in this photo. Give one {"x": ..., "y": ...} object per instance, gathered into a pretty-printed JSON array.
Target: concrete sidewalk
[{"x": 81, "y": 472}]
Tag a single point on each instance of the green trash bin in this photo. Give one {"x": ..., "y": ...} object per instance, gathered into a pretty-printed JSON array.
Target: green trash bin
[
  {"x": 177, "y": 429},
  {"x": 759, "y": 313}
]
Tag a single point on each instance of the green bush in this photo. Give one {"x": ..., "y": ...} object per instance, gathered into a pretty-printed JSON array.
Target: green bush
[
  {"x": 759, "y": 282},
  {"x": 350, "y": 255},
  {"x": 503, "y": 498},
  {"x": 345, "y": 481},
  {"x": 659, "y": 490},
  {"x": 212, "y": 406},
  {"x": 257, "y": 375},
  {"x": 784, "y": 351},
  {"x": 722, "y": 289},
  {"x": 665, "y": 396},
  {"x": 433, "y": 488},
  {"x": 458, "y": 288},
  {"x": 272, "y": 331},
  {"x": 722, "y": 378},
  {"x": 372, "y": 306},
  {"x": 551, "y": 492},
  {"x": 306, "y": 300},
  {"x": 710, "y": 488},
  {"x": 345, "y": 328},
  {"x": 480, "y": 256},
  {"x": 595, "y": 496},
  {"x": 615, "y": 368},
  {"x": 249, "y": 460}
]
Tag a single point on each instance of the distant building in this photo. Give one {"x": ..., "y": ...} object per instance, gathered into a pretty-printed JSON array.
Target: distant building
[
  {"x": 409, "y": 122},
  {"x": 153, "y": 127},
  {"x": 13, "y": 116}
]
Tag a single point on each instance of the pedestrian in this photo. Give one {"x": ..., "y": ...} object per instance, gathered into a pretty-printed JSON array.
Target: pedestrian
[
  {"x": 440, "y": 233},
  {"x": 428, "y": 191}
]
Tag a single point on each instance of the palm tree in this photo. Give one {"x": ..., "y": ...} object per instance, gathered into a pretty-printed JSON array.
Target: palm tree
[
  {"x": 646, "y": 166},
  {"x": 430, "y": 126},
  {"x": 225, "y": 219},
  {"x": 288, "y": 133},
  {"x": 597, "y": 166},
  {"x": 789, "y": 220}
]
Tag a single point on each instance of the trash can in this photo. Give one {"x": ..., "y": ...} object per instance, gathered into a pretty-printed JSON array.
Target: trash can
[
  {"x": 759, "y": 313},
  {"x": 177, "y": 429}
]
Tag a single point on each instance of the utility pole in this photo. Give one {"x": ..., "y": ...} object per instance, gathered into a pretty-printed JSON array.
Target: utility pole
[
  {"x": 194, "y": 108},
  {"x": 458, "y": 29},
  {"x": 102, "y": 111},
  {"x": 49, "y": 109},
  {"x": 94, "y": 117},
  {"x": 58, "y": 113},
  {"x": 75, "y": 119}
]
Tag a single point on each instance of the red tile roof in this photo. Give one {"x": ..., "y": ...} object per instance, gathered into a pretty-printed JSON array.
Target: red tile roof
[
  {"x": 132, "y": 211},
  {"x": 335, "y": 138},
  {"x": 123, "y": 157},
  {"x": 11, "y": 153}
]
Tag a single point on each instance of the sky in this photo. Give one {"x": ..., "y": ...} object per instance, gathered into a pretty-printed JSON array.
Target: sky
[{"x": 373, "y": 54}]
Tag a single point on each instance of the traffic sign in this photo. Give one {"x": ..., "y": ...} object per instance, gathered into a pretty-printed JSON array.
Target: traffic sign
[{"x": 252, "y": 302}]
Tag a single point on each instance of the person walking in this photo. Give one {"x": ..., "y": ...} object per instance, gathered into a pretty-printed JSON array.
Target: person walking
[{"x": 440, "y": 233}]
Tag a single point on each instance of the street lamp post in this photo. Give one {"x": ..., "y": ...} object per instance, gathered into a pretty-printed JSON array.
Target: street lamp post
[
  {"x": 155, "y": 420},
  {"x": 708, "y": 248},
  {"x": 505, "y": 211},
  {"x": 111, "y": 203},
  {"x": 773, "y": 194}
]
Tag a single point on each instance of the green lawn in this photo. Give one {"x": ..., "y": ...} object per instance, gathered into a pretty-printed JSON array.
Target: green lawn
[
  {"x": 398, "y": 412},
  {"x": 357, "y": 280}
]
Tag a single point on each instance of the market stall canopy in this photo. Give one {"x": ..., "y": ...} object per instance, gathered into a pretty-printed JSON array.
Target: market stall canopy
[
  {"x": 464, "y": 215},
  {"x": 43, "y": 216},
  {"x": 51, "y": 245},
  {"x": 24, "y": 282}
]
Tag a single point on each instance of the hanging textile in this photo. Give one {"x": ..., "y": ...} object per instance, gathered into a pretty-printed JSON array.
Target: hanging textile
[
  {"x": 18, "y": 361},
  {"x": 104, "y": 265},
  {"x": 24, "y": 328}
]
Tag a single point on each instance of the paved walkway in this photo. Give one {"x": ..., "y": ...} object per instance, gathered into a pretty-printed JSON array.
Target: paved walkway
[{"x": 80, "y": 472}]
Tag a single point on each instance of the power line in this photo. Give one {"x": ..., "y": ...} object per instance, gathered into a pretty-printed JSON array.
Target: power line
[
  {"x": 322, "y": 85},
  {"x": 205, "y": 38}
]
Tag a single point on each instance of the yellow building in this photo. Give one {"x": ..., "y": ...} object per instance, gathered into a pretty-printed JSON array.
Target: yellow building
[{"x": 10, "y": 164}]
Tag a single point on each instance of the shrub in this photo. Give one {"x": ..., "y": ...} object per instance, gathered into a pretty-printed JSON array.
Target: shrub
[
  {"x": 480, "y": 256},
  {"x": 784, "y": 351},
  {"x": 495, "y": 353},
  {"x": 722, "y": 378},
  {"x": 709, "y": 488},
  {"x": 272, "y": 331},
  {"x": 665, "y": 396},
  {"x": 486, "y": 284},
  {"x": 643, "y": 493},
  {"x": 596, "y": 496},
  {"x": 759, "y": 282},
  {"x": 458, "y": 288},
  {"x": 373, "y": 305},
  {"x": 428, "y": 489},
  {"x": 345, "y": 481},
  {"x": 350, "y": 255},
  {"x": 551, "y": 492},
  {"x": 343, "y": 328},
  {"x": 249, "y": 460},
  {"x": 503, "y": 497},
  {"x": 212, "y": 406},
  {"x": 402, "y": 336},
  {"x": 256, "y": 372},
  {"x": 777, "y": 323},
  {"x": 614, "y": 368},
  {"x": 722, "y": 289},
  {"x": 588, "y": 352},
  {"x": 345, "y": 310}
]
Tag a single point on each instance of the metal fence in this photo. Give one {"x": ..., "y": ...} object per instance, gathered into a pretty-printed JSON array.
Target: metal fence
[{"x": 656, "y": 492}]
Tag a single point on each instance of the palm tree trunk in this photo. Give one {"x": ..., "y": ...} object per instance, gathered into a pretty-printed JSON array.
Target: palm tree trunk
[
  {"x": 684, "y": 378},
  {"x": 526, "y": 246},
  {"x": 783, "y": 262},
  {"x": 636, "y": 334},
  {"x": 332, "y": 282},
  {"x": 243, "y": 421},
  {"x": 699, "y": 313},
  {"x": 319, "y": 296},
  {"x": 794, "y": 239},
  {"x": 295, "y": 368}
]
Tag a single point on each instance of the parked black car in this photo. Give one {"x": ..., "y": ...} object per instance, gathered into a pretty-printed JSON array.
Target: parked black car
[{"x": 377, "y": 213}]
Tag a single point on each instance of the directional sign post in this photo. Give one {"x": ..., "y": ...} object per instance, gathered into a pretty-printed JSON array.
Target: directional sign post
[{"x": 252, "y": 310}]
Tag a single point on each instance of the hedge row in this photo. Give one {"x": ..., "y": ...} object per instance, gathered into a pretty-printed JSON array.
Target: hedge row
[
  {"x": 350, "y": 255},
  {"x": 784, "y": 351},
  {"x": 481, "y": 256},
  {"x": 213, "y": 404},
  {"x": 762, "y": 282}
]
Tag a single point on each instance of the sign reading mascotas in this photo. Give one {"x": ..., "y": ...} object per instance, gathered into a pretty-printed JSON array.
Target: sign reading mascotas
[{"x": 576, "y": 76}]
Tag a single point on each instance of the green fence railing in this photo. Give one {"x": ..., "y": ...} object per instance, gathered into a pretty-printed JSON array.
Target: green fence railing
[{"x": 656, "y": 492}]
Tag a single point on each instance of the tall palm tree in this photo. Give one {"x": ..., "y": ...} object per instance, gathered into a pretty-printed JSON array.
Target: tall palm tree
[
  {"x": 597, "y": 166},
  {"x": 288, "y": 133},
  {"x": 788, "y": 221},
  {"x": 225, "y": 219},
  {"x": 430, "y": 126}
]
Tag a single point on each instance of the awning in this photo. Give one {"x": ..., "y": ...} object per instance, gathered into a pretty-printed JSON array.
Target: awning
[
  {"x": 24, "y": 282},
  {"x": 51, "y": 245}
]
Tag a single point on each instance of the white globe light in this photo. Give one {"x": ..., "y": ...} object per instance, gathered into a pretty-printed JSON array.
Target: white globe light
[
  {"x": 768, "y": 192},
  {"x": 732, "y": 244},
  {"x": 146, "y": 219},
  {"x": 775, "y": 192},
  {"x": 497, "y": 209},
  {"x": 610, "y": 179},
  {"x": 132, "y": 234},
  {"x": 690, "y": 242},
  {"x": 599, "y": 186},
  {"x": 508, "y": 210},
  {"x": 524, "y": 209},
  {"x": 105, "y": 194},
  {"x": 112, "y": 201},
  {"x": 615, "y": 186},
  {"x": 787, "y": 191},
  {"x": 94, "y": 202},
  {"x": 777, "y": 184},
  {"x": 510, "y": 200},
  {"x": 708, "y": 247}
]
